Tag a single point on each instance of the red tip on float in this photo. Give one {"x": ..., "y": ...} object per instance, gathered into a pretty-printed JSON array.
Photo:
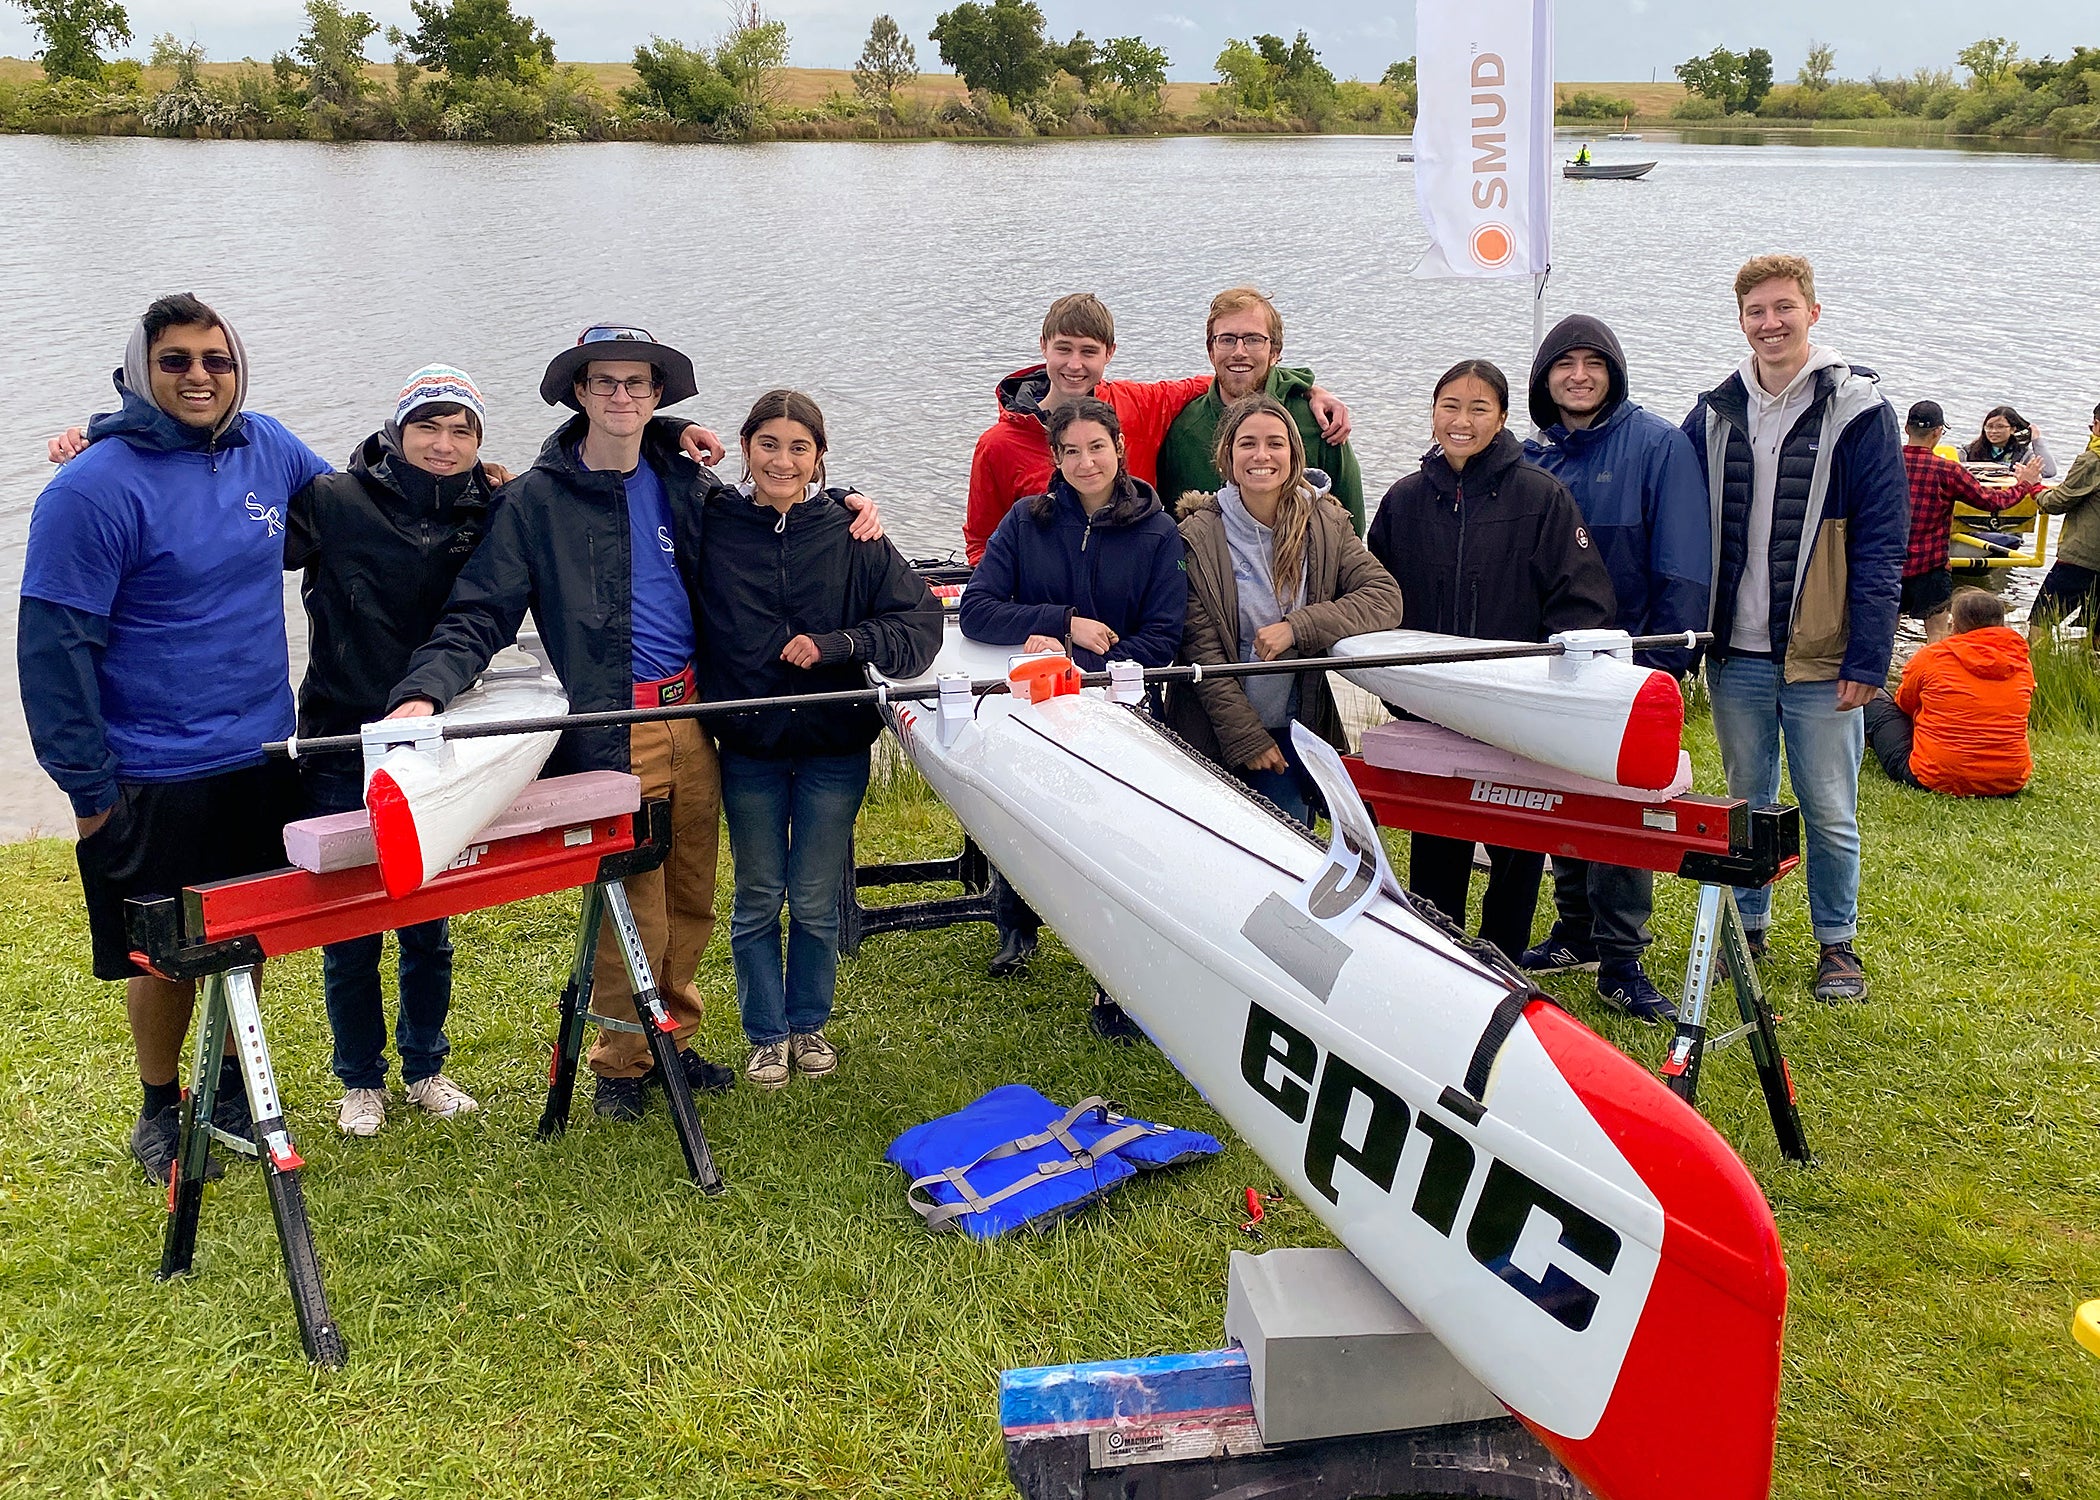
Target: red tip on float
[
  {"x": 1654, "y": 735},
  {"x": 394, "y": 836}
]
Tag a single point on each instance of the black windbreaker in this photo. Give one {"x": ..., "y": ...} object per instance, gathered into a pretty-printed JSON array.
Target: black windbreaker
[
  {"x": 380, "y": 546},
  {"x": 768, "y": 577},
  {"x": 558, "y": 546},
  {"x": 1497, "y": 551}
]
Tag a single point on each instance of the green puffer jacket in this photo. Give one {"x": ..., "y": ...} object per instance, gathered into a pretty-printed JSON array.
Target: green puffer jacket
[
  {"x": 1185, "y": 462},
  {"x": 2077, "y": 500},
  {"x": 1347, "y": 592}
]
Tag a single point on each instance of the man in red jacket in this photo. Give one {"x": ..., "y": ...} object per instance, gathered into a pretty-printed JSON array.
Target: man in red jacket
[{"x": 1012, "y": 459}]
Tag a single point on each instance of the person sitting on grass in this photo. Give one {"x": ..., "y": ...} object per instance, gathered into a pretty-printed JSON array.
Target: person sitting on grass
[
  {"x": 1935, "y": 485},
  {"x": 1092, "y": 567},
  {"x": 1957, "y": 723},
  {"x": 1275, "y": 569},
  {"x": 2072, "y": 586},
  {"x": 788, "y": 602}
]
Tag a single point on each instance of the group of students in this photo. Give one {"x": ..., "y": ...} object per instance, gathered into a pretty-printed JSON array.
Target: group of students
[
  {"x": 154, "y": 664},
  {"x": 1213, "y": 519}
]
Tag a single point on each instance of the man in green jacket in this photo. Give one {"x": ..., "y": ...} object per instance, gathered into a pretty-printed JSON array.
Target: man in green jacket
[
  {"x": 1244, "y": 338},
  {"x": 2073, "y": 584}
]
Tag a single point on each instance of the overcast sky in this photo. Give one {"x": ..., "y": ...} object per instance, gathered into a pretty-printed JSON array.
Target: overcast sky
[{"x": 1623, "y": 40}]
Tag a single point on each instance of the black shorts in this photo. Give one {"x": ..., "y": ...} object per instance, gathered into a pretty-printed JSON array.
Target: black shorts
[
  {"x": 164, "y": 835},
  {"x": 2067, "y": 589},
  {"x": 1927, "y": 594}
]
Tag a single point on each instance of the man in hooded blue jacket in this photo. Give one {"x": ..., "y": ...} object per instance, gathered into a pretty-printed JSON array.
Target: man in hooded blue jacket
[
  {"x": 152, "y": 657},
  {"x": 1637, "y": 480}
]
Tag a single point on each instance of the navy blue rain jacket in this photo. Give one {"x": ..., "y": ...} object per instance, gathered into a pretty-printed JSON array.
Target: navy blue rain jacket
[{"x": 1124, "y": 567}]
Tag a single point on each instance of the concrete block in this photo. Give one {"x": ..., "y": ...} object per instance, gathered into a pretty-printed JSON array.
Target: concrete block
[{"x": 1331, "y": 1352}]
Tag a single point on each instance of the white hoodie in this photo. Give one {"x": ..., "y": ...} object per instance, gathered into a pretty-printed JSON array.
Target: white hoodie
[{"x": 1772, "y": 417}]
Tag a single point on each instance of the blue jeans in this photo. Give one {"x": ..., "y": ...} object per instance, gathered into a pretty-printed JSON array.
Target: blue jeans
[
  {"x": 790, "y": 829},
  {"x": 350, "y": 970},
  {"x": 1753, "y": 710},
  {"x": 1292, "y": 789}
]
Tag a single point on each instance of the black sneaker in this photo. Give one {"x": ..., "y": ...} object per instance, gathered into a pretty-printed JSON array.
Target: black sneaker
[
  {"x": 1840, "y": 976},
  {"x": 154, "y": 1140},
  {"x": 1014, "y": 952},
  {"x": 1627, "y": 987},
  {"x": 1110, "y": 1022},
  {"x": 1559, "y": 954},
  {"x": 623, "y": 1099},
  {"x": 702, "y": 1076},
  {"x": 229, "y": 1111}
]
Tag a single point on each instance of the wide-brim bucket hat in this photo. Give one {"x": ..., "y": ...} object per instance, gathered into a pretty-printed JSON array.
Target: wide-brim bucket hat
[{"x": 617, "y": 341}]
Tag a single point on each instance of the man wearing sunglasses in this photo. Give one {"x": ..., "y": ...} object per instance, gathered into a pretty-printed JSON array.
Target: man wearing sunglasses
[
  {"x": 1244, "y": 338},
  {"x": 152, "y": 656},
  {"x": 600, "y": 539}
]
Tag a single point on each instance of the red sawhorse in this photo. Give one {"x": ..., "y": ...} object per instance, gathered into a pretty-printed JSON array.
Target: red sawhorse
[
  {"x": 1720, "y": 842},
  {"x": 220, "y": 933}
]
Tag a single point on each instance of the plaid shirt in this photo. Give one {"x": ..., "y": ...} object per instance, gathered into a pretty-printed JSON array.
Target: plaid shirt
[{"x": 1935, "y": 485}]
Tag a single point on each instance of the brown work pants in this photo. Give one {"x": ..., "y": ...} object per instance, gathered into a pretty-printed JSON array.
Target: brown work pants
[{"x": 674, "y": 904}]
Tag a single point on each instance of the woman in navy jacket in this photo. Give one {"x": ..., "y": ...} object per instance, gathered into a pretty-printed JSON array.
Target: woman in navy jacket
[{"x": 1093, "y": 568}]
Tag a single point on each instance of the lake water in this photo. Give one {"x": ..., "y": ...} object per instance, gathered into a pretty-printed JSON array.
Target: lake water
[{"x": 898, "y": 282}]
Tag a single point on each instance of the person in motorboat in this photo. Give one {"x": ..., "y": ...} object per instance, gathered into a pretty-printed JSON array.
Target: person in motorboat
[
  {"x": 1805, "y": 481},
  {"x": 1957, "y": 722},
  {"x": 1582, "y": 155},
  {"x": 1936, "y": 486},
  {"x": 1243, "y": 336},
  {"x": 601, "y": 540},
  {"x": 2072, "y": 585},
  {"x": 1636, "y": 481},
  {"x": 1484, "y": 544},
  {"x": 1275, "y": 569},
  {"x": 1091, "y": 568},
  {"x": 153, "y": 660},
  {"x": 2010, "y": 439},
  {"x": 1012, "y": 460},
  {"x": 786, "y": 601}
]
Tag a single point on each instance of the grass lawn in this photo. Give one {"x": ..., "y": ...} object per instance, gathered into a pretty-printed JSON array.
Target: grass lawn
[{"x": 573, "y": 1319}]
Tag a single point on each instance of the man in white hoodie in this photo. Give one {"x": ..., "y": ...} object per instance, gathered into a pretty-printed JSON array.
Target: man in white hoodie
[{"x": 1811, "y": 513}]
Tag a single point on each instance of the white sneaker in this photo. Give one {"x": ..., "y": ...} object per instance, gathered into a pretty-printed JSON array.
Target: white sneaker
[
  {"x": 767, "y": 1067},
  {"x": 440, "y": 1098},
  {"x": 363, "y": 1111}
]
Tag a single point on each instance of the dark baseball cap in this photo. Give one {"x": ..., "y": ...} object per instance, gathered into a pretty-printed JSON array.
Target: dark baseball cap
[{"x": 1925, "y": 416}]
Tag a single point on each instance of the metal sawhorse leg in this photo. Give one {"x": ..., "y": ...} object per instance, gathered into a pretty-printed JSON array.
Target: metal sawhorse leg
[
  {"x": 652, "y": 1021},
  {"x": 1718, "y": 941}
]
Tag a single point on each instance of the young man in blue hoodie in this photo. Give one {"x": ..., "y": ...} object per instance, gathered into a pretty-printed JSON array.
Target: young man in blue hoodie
[
  {"x": 1637, "y": 481},
  {"x": 152, "y": 656}
]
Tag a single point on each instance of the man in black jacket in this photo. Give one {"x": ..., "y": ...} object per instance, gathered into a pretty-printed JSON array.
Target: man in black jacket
[{"x": 600, "y": 539}]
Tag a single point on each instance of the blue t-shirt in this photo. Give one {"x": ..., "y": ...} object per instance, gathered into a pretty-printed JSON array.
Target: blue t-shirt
[
  {"x": 183, "y": 554},
  {"x": 660, "y": 613}
]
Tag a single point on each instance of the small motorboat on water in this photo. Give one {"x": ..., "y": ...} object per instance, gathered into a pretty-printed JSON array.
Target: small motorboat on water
[
  {"x": 1580, "y": 1239},
  {"x": 1624, "y": 135},
  {"x": 1601, "y": 171}
]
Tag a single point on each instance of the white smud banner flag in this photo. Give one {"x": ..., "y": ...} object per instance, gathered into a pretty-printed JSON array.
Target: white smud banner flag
[{"x": 1484, "y": 136}]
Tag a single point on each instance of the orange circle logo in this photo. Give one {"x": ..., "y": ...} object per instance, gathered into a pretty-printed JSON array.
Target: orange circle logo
[{"x": 1493, "y": 245}]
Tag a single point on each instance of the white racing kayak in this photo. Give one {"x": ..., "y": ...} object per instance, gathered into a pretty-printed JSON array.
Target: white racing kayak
[
  {"x": 1579, "y": 1238},
  {"x": 1588, "y": 712},
  {"x": 429, "y": 800}
]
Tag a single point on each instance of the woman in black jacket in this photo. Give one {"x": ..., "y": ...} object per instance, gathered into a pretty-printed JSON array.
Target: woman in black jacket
[
  {"x": 787, "y": 603},
  {"x": 1484, "y": 544}
]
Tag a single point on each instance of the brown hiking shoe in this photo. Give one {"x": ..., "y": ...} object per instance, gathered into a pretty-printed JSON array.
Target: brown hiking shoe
[{"x": 1840, "y": 977}]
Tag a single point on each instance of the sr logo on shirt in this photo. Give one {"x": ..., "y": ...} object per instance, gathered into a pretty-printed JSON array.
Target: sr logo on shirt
[
  {"x": 663, "y": 538},
  {"x": 269, "y": 515}
]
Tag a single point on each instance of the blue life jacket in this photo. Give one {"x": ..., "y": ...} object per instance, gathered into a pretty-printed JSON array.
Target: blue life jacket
[{"x": 1015, "y": 1158}]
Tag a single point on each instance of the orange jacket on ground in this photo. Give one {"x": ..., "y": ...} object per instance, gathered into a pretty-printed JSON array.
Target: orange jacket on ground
[
  {"x": 1012, "y": 460},
  {"x": 1968, "y": 697}
]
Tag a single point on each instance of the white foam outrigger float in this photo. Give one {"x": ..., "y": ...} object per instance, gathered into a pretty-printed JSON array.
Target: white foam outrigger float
[{"x": 1578, "y": 1237}]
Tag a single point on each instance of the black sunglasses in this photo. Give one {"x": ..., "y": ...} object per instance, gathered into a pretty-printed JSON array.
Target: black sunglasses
[{"x": 179, "y": 364}]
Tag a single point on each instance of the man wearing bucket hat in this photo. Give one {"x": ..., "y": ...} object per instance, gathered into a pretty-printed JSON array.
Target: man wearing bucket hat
[{"x": 601, "y": 540}]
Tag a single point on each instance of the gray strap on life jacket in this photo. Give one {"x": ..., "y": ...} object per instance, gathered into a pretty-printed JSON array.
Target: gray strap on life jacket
[{"x": 942, "y": 1215}]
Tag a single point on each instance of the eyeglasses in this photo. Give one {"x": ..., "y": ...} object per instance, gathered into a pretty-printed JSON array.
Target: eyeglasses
[
  {"x": 640, "y": 387},
  {"x": 1253, "y": 343},
  {"x": 179, "y": 364}
]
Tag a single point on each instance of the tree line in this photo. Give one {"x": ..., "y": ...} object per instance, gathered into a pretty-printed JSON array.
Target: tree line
[
  {"x": 479, "y": 69},
  {"x": 2003, "y": 93}
]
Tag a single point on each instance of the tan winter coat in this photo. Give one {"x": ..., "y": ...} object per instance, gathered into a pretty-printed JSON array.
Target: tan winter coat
[{"x": 1347, "y": 592}]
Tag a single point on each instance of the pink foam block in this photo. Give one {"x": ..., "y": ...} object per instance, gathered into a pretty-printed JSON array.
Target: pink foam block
[
  {"x": 1432, "y": 750},
  {"x": 343, "y": 841}
]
